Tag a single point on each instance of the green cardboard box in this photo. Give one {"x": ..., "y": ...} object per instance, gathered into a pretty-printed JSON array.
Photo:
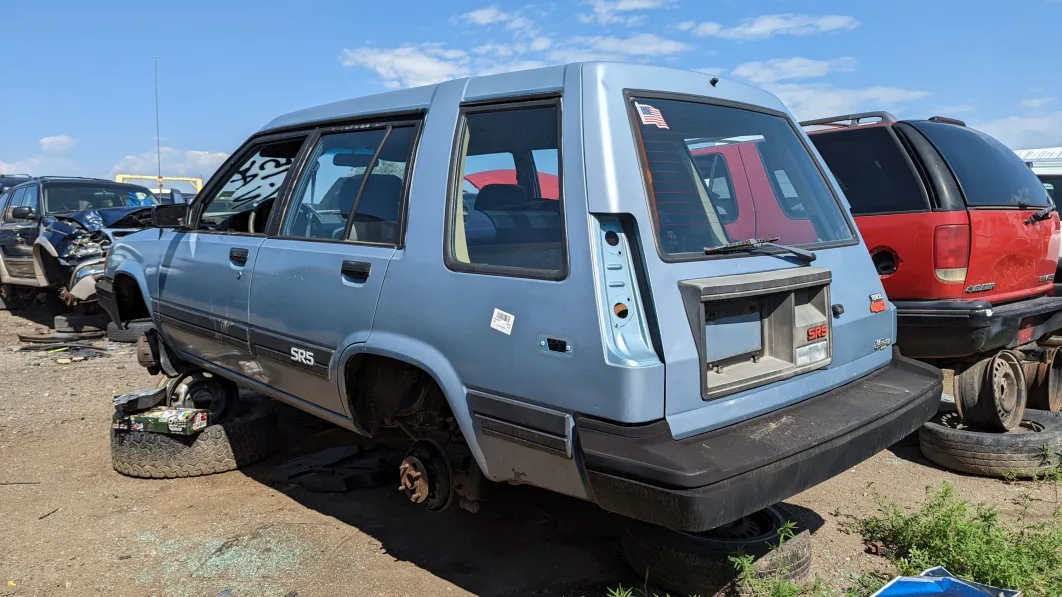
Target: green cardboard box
[{"x": 175, "y": 421}]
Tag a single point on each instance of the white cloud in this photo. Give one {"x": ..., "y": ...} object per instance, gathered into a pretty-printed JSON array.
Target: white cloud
[
  {"x": 615, "y": 12},
  {"x": 959, "y": 108},
  {"x": 497, "y": 50},
  {"x": 819, "y": 100},
  {"x": 642, "y": 44},
  {"x": 1037, "y": 102},
  {"x": 57, "y": 144},
  {"x": 485, "y": 16},
  {"x": 1026, "y": 132},
  {"x": 410, "y": 66},
  {"x": 175, "y": 162},
  {"x": 32, "y": 165},
  {"x": 765, "y": 26},
  {"x": 780, "y": 69}
]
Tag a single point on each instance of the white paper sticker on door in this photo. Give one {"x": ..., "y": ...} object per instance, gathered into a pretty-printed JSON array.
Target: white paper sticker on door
[{"x": 502, "y": 321}]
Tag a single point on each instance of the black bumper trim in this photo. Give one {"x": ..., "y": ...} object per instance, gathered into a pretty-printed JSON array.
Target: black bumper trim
[
  {"x": 942, "y": 329},
  {"x": 705, "y": 481},
  {"x": 105, "y": 298}
]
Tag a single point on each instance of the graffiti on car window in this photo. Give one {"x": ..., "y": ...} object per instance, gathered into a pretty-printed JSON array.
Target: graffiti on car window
[{"x": 257, "y": 182}]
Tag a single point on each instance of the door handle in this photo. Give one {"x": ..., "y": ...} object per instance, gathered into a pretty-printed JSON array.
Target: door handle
[
  {"x": 358, "y": 270},
  {"x": 238, "y": 255}
]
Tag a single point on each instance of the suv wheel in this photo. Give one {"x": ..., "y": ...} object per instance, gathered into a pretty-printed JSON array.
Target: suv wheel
[
  {"x": 699, "y": 564},
  {"x": 130, "y": 332}
]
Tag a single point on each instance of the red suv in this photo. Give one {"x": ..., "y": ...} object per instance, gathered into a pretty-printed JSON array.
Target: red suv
[{"x": 966, "y": 241}]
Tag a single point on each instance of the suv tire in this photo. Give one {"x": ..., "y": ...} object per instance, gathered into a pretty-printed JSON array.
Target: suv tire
[
  {"x": 245, "y": 439},
  {"x": 131, "y": 332},
  {"x": 1019, "y": 453},
  {"x": 10, "y": 298},
  {"x": 81, "y": 323},
  {"x": 698, "y": 563}
]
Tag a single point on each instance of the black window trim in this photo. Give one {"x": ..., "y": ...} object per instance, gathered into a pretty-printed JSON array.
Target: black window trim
[
  {"x": 223, "y": 174},
  {"x": 901, "y": 147},
  {"x": 307, "y": 152},
  {"x": 454, "y": 185},
  {"x": 631, "y": 93}
]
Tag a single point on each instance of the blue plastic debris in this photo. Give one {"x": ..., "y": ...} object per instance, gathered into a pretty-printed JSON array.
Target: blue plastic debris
[{"x": 939, "y": 582}]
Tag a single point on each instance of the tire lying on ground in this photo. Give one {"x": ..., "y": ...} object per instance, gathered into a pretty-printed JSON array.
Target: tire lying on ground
[
  {"x": 131, "y": 332},
  {"x": 247, "y": 438},
  {"x": 81, "y": 323},
  {"x": 1029, "y": 450},
  {"x": 698, "y": 563}
]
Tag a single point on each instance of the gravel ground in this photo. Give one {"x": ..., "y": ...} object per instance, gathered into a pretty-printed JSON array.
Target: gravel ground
[{"x": 73, "y": 526}]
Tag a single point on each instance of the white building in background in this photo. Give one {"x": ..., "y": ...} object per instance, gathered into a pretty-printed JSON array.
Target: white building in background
[{"x": 1047, "y": 164}]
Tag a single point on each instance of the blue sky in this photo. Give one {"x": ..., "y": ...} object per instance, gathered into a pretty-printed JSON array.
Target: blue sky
[{"x": 77, "y": 76}]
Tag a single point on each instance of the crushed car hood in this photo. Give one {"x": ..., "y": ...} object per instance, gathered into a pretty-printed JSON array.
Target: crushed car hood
[
  {"x": 82, "y": 235},
  {"x": 91, "y": 220}
]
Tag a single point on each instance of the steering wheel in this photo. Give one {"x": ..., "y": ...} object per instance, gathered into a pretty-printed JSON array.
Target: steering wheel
[{"x": 313, "y": 221}]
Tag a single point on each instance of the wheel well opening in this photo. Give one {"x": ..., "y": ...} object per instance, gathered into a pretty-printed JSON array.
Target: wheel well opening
[
  {"x": 128, "y": 299},
  {"x": 49, "y": 264},
  {"x": 386, "y": 392}
]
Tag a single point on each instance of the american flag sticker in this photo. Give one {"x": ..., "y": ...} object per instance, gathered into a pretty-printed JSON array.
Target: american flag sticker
[{"x": 650, "y": 115}]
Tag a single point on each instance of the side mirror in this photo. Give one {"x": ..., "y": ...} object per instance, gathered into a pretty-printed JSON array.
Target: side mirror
[
  {"x": 174, "y": 215},
  {"x": 177, "y": 197},
  {"x": 23, "y": 213}
]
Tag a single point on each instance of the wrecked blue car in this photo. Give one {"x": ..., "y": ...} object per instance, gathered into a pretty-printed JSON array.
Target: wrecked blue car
[{"x": 55, "y": 232}]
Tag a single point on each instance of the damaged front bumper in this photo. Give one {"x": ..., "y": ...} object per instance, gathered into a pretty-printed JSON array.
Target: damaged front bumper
[{"x": 83, "y": 279}]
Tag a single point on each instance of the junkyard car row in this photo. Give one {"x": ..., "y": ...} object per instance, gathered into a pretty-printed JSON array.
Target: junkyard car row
[{"x": 632, "y": 285}]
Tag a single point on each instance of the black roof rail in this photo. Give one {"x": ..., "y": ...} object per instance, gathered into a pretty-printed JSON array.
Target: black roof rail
[
  {"x": 850, "y": 119},
  {"x": 946, "y": 120},
  {"x": 12, "y": 175}
]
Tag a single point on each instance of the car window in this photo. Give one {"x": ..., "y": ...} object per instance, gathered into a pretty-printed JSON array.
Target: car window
[
  {"x": 66, "y": 197},
  {"x": 3, "y": 202},
  {"x": 508, "y": 228},
  {"x": 872, "y": 171},
  {"x": 31, "y": 200},
  {"x": 1052, "y": 184},
  {"x": 344, "y": 179},
  {"x": 716, "y": 175},
  {"x": 797, "y": 207},
  {"x": 16, "y": 197},
  {"x": 244, "y": 202},
  {"x": 989, "y": 173},
  {"x": 481, "y": 170}
]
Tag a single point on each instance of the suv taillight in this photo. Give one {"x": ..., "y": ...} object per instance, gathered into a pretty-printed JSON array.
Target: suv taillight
[{"x": 951, "y": 252}]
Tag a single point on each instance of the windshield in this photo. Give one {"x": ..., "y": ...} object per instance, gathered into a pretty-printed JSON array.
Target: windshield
[
  {"x": 66, "y": 197},
  {"x": 990, "y": 174},
  {"x": 721, "y": 174}
]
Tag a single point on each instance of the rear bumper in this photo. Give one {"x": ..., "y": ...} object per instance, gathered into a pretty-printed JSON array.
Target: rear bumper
[
  {"x": 105, "y": 298},
  {"x": 941, "y": 329},
  {"x": 712, "y": 479}
]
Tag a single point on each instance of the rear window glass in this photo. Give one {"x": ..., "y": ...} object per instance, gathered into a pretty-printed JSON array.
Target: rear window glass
[
  {"x": 787, "y": 197},
  {"x": 1053, "y": 184},
  {"x": 872, "y": 171},
  {"x": 71, "y": 197},
  {"x": 990, "y": 174}
]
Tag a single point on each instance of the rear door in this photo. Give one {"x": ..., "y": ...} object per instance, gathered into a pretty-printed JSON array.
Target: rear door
[
  {"x": 1012, "y": 255},
  {"x": 317, "y": 284}
]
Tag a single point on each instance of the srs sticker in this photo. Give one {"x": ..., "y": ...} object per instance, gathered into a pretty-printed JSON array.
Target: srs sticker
[
  {"x": 818, "y": 332},
  {"x": 502, "y": 321},
  {"x": 877, "y": 303}
]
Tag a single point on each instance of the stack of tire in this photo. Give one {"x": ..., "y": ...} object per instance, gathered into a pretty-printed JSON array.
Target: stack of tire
[{"x": 1006, "y": 420}]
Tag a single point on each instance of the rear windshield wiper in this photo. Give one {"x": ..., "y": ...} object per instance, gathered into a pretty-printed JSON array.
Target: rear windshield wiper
[
  {"x": 1041, "y": 215},
  {"x": 754, "y": 244}
]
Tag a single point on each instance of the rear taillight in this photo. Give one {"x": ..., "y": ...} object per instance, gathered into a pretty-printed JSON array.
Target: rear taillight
[{"x": 951, "y": 252}]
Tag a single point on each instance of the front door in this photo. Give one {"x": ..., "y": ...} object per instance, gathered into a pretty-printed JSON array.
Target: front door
[
  {"x": 315, "y": 286},
  {"x": 205, "y": 273},
  {"x": 17, "y": 236}
]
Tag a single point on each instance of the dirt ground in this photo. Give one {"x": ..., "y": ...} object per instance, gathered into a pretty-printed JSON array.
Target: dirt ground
[{"x": 70, "y": 525}]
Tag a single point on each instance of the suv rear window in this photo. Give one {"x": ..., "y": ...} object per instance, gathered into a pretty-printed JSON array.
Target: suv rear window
[
  {"x": 989, "y": 173},
  {"x": 690, "y": 215},
  {"x": 872, "y": 171}
]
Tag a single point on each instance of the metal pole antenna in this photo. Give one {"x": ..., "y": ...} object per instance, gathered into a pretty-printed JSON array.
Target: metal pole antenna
[{"x": 158, "y": 138}]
